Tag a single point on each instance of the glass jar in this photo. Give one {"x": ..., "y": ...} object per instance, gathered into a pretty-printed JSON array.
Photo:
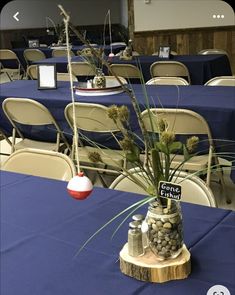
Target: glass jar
[
  {"x": 99, "y": 80},
  {"x": 135, "y": 244},
  {"x": 165, "y": 230}
]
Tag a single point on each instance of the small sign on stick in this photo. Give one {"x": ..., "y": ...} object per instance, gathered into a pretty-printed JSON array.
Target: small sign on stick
[{"x": 169, "y": 190}]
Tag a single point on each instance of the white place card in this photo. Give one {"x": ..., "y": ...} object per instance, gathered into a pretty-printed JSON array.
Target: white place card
[{"x": 47, "y": 77}]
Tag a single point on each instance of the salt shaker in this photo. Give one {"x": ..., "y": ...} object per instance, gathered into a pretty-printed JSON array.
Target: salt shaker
[
  {"x": 135, "y": 244},
  {"x": 89, "y": 84},
  {"x": 144, "y": 228}
]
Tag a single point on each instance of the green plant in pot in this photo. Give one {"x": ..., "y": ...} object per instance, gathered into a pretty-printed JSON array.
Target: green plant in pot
[{"x": 154, "y": 164}]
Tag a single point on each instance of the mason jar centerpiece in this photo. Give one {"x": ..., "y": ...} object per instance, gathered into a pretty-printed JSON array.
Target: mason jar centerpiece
[
  {"x": 99, "y": 80},
  {"x": 165, "y": 229}
]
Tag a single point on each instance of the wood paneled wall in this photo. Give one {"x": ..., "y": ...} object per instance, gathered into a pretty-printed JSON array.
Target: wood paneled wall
[
  {"x": 188, "y": 41},
  {"x": 6, "y": 36},
  {"x": 119, "y": 33},
  {"x": 183, "y": 41}
]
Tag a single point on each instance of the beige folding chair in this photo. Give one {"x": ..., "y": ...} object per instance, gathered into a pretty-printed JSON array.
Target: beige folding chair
[
  {"x": 212, "y": 51},
  {"x": 221, "y": 81},
  {"x": 135, "y": 53},
  {"x": 169, "y": 69},
  {"x": 110, "y": 79},
  {"x": 167, "y": 81},
  {"x": 61, "y": 52},
  {"x": 93, "y": 118},
  {"x": 32, "y": 72},
  {"x": 42, "y": 163},
  {"x": 172, "y": 52},
  {"x": 30, "y": 112},
  {"x": 194, "y": 190},
  {"x": 87, "y": 51},
  {"x": 14, "y": 67},
  {"x": 118, "y": 43},
  {"x": 186, "y": 122},
  {"x": 215, "y": 51},
  {"x": 127, "y": 71},
  {"x": 65, "y": 77},
  {"x": 83, "y": 69},
  {"x": 33, "y": 54}
]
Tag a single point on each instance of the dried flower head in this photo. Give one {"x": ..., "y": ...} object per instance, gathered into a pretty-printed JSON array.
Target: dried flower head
[
  {"x": 162, "y": 125},
  {"x": 112, "y": 112},
  {"x": 192, "y": 143},
  {"x": 167, "y": 137},
  {"x": 94, "y": 157},
  {"x": 123, "y": 113},
  {"x": 126, "y": 143}
]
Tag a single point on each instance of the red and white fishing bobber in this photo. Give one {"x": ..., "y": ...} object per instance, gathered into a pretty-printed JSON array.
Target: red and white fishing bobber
[{"x": 80, "y": 186}]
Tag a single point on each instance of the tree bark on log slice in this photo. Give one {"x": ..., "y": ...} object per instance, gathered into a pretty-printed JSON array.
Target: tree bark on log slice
[{"x": 148, "y": 268}]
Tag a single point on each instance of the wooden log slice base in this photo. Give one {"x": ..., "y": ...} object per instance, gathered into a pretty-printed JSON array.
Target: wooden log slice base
[{"x": 148, "y": 268}]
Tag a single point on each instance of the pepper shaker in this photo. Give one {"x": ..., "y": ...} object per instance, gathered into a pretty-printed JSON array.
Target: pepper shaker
[{"x": 135, "y": 244}]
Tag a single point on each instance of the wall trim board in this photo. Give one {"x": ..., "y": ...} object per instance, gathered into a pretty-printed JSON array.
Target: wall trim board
[{"x": 186, "y": 30}]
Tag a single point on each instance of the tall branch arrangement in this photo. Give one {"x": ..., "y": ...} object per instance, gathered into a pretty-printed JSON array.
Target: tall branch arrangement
[
  {"x": 104, "y": 62},
  {"x": 158, "y": 150}
]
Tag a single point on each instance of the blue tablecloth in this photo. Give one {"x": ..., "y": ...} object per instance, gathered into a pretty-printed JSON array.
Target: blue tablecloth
[
  {"x": 42, "y": 230},
  {"x": 201, "y": 67},
  {"x": 216, "y": 104},
  {"x": 48, "y": 51}
]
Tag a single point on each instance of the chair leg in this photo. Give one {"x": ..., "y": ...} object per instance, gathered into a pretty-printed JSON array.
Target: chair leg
[
  {"x": 221, "y": 179},
  {"x": 222, "y": 182},
  {"x": 9, "y": 76},
  {"x": 102, "y": 180},
  {"x": 208, "y": 177}
]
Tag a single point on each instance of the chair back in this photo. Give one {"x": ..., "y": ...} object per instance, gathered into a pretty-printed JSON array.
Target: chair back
[
  {"x": 61, "y": 52},
  {"x": 32, "y": 72},
  {"x": 180, "y": 121},
  {"x": 212, "y": 51},
  {"x": 27, "y": 111},
  {"x": 172, "y": 52},
  {"x": 83, "y": 69},
  {"x": 135, "y": 53},
  {"x": 42, "y": 163},
  {"x": 6, "y": 54},
  {"x": 32, "y": 55},
  {"x": 169, "y": 69},
  {"x": 9, "y": 55},
  {"x": 221, "y": 81},
  {"x": 32, "y": 113},
  {"x": 87, "y": 51},
  {"x": 194, "y": 190},
  {"x": 127, "y": 71},
  {"x": 65, "y": 77},
  {"x": 10, "y": 64},
  {"x": 90, "y": 117},
  {"x": 109, "y": 79},
  {"x": 118, "y": 43},
  {"x": 167, "y": 81}
]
